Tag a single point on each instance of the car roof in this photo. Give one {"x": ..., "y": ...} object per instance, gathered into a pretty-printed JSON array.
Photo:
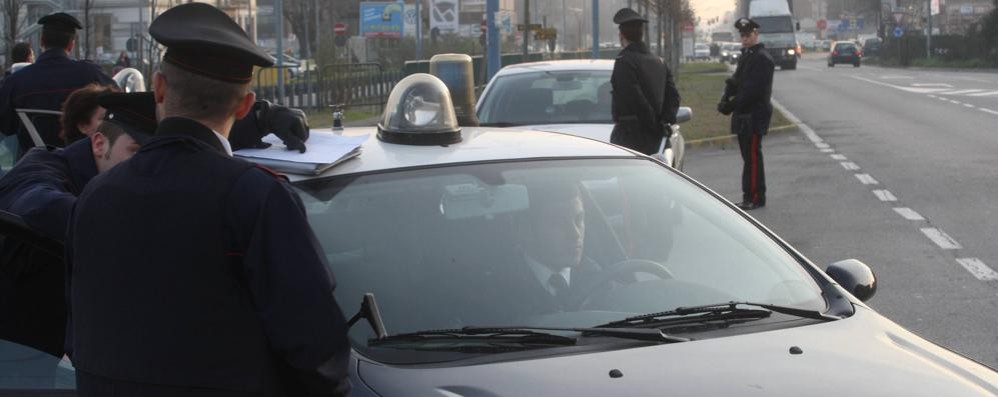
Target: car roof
[
  {"x": 554, "y": 66},
  {"x": 478, "y": 144}
]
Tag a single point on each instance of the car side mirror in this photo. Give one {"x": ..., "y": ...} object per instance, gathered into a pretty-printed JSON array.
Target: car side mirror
[
  {"x": 684, "y": 114},
  {"x": 855, "y": 276}
]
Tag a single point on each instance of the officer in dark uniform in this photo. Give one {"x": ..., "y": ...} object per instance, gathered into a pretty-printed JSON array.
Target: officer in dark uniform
[
  {"x": 645, "y": 99},
  {"x": 747, "y": 96},
  {"x": 46, "y": 83},
  {"x": 191, "y": 272},
  {"x": 41, "y": 190}
]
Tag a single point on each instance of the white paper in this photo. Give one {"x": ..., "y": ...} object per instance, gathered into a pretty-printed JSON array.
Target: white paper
[{"x": 322, "y": 148}]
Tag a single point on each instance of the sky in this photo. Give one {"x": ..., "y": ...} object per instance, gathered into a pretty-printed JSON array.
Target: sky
[{"x": 706, "y": 9}]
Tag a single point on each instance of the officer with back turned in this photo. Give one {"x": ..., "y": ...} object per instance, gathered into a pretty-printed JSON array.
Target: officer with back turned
[
  {"x": 190, "y": 272},
  {"x": 645, "y": 99},
  {"x": 46, "y": 83},
  {"x": 746, "y": 98}
]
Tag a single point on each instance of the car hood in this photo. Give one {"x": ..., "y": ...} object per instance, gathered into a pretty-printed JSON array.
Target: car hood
[
  {"x": 864, "y": 355},
  {"x": 600, "y": 132}
]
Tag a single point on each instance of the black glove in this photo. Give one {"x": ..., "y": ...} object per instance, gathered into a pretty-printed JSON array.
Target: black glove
[
  {"x": 726, "y": 106},
  {"x": 289, "y": 124}
]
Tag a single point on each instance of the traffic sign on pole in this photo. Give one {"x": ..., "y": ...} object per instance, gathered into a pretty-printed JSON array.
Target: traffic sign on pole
[
  {"x": 822, "y": 24},
  {"x": 898, "y": 17},
  {"x": 898, "y": 32},
  {"x": 340, "y": 29}
]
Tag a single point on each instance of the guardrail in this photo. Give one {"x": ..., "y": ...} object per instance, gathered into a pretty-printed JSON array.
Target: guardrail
[{"x": 364, "y": 84}]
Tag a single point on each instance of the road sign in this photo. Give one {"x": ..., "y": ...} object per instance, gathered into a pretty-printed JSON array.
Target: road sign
[
  {"x": 822, "y": 24},
  {"x": 688, "y": 26},
  {"x": 898, "y": 17},
  {"x": 340, "y": 29},
  {"x": 898, "y": 32},
  {"x": 531, "y": 27}
]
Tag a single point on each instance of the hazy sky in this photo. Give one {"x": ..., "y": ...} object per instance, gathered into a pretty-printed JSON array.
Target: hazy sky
[{"x": 706, "y": 9}]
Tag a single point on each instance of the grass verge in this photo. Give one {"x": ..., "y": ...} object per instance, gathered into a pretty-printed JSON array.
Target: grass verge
[
  {"x": 700, "y": 86},
  {"x": 324, "y": 118}
]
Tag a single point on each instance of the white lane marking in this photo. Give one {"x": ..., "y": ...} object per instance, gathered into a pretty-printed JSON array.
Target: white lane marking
[
  {"x": 895, "y": 77},
  {"x": 829, "y": 150},
  {"x": 959, "y": 92},
  {"x": 942, "y": 99},
  {"x": 967, "y": 105},
  {"x": 840, "y": 157},
  {"x": 885, "y": 195},
  {"x": 989, "y": 93},
  {"x": 822, "y": 145},
  {"x": 918, "y": 90},
  {"x": 909, "y": 214},
  {"x": 978, "y": 269},
  {"x": 954, "y": 102},
  {"x": 941, "y": 239},
  {"x": 849, "y": 165},
  {"x": 808, "y": 132},
  {"x": 932, "y": 85},
  {"x": 866, "y": 179},
  {"x": 932, "y": 96},
  {"x": 988, "y": 111}
]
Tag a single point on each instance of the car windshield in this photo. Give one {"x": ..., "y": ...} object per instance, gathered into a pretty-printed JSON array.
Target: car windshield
[
  {"x": 844, "y": 46},
  {"x": 479, "y": 245},
  {"x": 544, "y": 97},
  {"x": 777, "y": 24}
]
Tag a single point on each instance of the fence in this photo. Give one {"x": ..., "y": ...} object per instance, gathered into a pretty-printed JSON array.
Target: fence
[{"x": 352, "y": 85}]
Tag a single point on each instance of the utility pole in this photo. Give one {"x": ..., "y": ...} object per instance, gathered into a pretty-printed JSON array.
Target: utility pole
[
  {"x": 308, "y": 42},
  {"x": 318, "y": 25},
  {"x": 279, "y": 14},
  {"x": 492, "y": 38},
  {"x": 928, "y": 34},
  {"x": 419, "y": 31},
  {"x": 564, "y": 26},
  {"x": 595, "y": 29},
  {"x": 526, "y": 30}
]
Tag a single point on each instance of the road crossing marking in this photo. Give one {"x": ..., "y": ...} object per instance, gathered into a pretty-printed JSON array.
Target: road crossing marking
[
  {"x": 866, "y": 179},
  {"x": 953, "y": 102},
  {"x": 941, "y": 239},
  {"x": 822, "y": 145},
  {"x": 909, "y": 214},
  {"x": 827, "y": 150},
  {"x": 988, "y": 111},
  {"x": 978, "y": 269},
  {"x": 932, "y": 85},
  {"x": 989, "y": 93},
  {"x": 840, "y": 157},
  {"x": 932, "y": 96},
  {"x": 849, "y": 165},
  {"x": 967, "y": 105},
  {"x": 885, "y": 195}
]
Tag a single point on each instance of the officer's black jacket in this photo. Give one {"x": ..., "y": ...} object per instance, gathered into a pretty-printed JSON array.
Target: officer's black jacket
[
  {"x": 645, "y": 98},
  {"x": 41, "y": 189},
  {"x": 45, "y": 85},
  {"x": 190, "y": 268},
  {"x": 754, "y": 80}
]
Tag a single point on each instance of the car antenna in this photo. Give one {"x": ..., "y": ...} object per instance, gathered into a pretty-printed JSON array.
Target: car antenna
[{"x": 369, "y": 310}]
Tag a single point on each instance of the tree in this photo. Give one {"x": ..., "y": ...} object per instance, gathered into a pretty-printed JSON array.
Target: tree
[
  {"x": 87, "y": 29},
  {"x": 11, "y": 10}
]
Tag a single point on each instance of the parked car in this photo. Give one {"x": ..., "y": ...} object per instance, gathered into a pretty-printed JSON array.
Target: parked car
[
  {"x": 845, "y": 52},
  {"x": 701, "y": 51},
  {"x": 571, "y": 96},
  {"x": 871, "y": 47}
]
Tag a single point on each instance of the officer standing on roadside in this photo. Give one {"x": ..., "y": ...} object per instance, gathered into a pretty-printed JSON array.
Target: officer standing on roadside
[
  {"x": 191, "y": 272},
  {"x": 645, "y": 98},
  {"x": 752, "y": 86},
  {"x": 46, "y": 83}
]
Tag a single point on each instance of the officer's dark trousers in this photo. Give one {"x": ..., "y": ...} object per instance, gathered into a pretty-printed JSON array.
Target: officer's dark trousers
[
  {"x": 753, "y": 174},
  {"x": 90, "y": 385}
]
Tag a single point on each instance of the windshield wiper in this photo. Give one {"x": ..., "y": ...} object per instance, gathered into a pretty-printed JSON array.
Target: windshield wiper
[
  {"x": 715, "y": 312},
  {"x": 523, "y": 334}
]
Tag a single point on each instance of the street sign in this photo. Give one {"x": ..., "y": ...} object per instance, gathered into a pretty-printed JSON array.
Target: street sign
[
  {"x": 822, "y": 24},
  {"x": 898, "y": 32},
  {"x": 546, "y": 34},
  {"x": 688, "y": 26},
  {"x": 340, "y": 29},
  {"x": 531, "y": 27},
  {"x": 898, "y": 17}
]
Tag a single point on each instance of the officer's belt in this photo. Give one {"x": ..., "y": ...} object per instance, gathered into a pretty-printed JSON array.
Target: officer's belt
[{"x": 627, "y": 118}]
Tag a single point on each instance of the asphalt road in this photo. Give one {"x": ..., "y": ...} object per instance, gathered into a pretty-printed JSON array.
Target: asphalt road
[{"x": 897, "y": 168}]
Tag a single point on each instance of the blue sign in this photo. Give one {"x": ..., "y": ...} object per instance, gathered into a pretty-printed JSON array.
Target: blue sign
[
  {"x": 381, "y": 19},
  {"x": 898, "y": 32}
]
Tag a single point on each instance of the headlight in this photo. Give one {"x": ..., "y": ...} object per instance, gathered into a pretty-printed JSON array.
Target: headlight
[{"x": 791, "y": 52}]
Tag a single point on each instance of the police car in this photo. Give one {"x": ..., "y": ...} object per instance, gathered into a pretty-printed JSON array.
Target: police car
[
  {"x": 568, "y": 96},
  {"x": 478, "y": 261}
]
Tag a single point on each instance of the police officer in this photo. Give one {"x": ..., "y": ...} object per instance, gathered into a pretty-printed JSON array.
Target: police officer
[
  {"x": 191, "y": 272},
  {"x": 645, "y": 99},
  {"x": 46, "y": 83},
  {"x": 41, "y": 190},
  {"x": 748, "y": 97}
]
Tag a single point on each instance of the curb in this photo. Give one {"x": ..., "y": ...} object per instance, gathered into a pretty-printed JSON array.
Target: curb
[{"x": 733, "y": 139}]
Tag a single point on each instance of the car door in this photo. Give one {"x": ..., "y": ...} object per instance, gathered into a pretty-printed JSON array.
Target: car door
[{"x": 26, "y": 257}]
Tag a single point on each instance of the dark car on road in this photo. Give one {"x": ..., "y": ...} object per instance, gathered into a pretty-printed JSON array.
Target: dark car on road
[
  {"x": 845, "y": 52},
  {"x": 871, "y": 47}
]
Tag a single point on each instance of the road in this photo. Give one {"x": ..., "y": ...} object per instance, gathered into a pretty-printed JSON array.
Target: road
[{"x": 897, "y": 168}]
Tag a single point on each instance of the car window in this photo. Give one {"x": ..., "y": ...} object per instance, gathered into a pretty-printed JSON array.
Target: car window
[
  {"x": 844, "y": 46},
  {"x": 548, "y": 98},
  {"x": 463, "y": 238}
]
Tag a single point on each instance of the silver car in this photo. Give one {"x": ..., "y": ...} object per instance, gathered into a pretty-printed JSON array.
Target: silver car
[{"x": 571, "y": 97}]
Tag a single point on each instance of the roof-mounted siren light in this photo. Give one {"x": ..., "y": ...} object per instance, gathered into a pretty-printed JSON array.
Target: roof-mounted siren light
[
  {"x": 456, "y": 71},
  {"x": 419, "y": 111}
]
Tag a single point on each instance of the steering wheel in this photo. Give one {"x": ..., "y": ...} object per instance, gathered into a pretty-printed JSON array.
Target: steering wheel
[{"x": 616, "y": 271}]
